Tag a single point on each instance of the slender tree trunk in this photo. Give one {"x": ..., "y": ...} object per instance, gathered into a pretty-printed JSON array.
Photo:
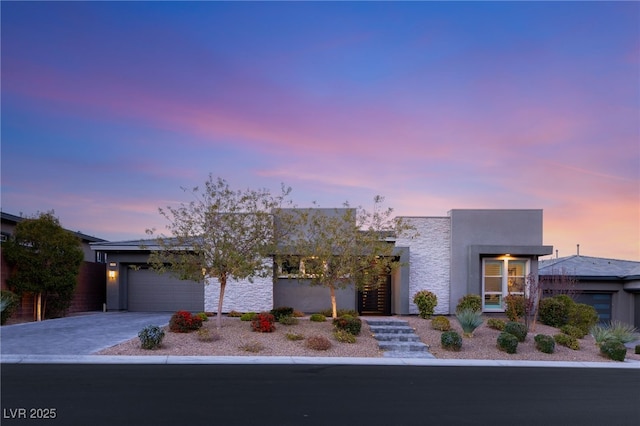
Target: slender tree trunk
[
  {"x": 333, "y": 302},
  {"x": 223, "y": 284},
  {"x": 39, "y": 307}
]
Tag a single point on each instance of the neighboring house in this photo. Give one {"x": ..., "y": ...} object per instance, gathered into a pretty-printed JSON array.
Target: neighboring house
[
  {"x": 89, "y": 294},
  {"x": 612, "y": 286},
  {"x": 484, "y": 252}
]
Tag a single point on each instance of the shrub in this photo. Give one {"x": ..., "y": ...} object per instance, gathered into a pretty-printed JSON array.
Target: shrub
[
  {"x": 517, "y": 329},
  {"x": 515, "y": 307},
  {"x": 567, "y": 341},
  {"x": 426, "y": 303},
  {"x": 451, "y": 341},
  {"x": 263, "y": 323},
  {"x": 184, "y": 322},
  {"x": 205, "y": 335},
  {"x": 545, "y": 343},
  {"x": 441, "y": 323},
  {"x": 469, "y": 320},
  {"x": 496, "y": 324},
  {"x": 507, "y": 342},
  {"x": 317, "y": 318},
  {"x": 234, "y": 314},
  {"x": 247, "y": 316},
  {"x": 552, "y": 312},
  {"x": 281, "y": 312},
  {"x": 253, "y": 347},
  {"x": 288, "y": 320},
  {"x": 328, "y": 313},
  {"x": 470, "y": 301},
  {"x": 567, "y": 301},
  {"x": 582, "y": 316},
  {"x": 344, "y": 336},
  {"x": 298, "y": 314},
  {"x": 151, "y": 337},
  {"x": 637, "y": 349},
  {"x": 348, "y": 323},
  {"x": 613, "y": 349},
  {"x": 202, "y": 316},
  {"x": 9, "y": 301},
  {"x": 318, "y": 343},
  {"x": 572, "y": 331},
  {"x": 600, "y": 333},
  {"x": 623, "y": 332},
  {"x": 294, "y": 336}
]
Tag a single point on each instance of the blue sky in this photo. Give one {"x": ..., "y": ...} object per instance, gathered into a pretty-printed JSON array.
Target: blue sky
[{"x": 109, "y": 108}]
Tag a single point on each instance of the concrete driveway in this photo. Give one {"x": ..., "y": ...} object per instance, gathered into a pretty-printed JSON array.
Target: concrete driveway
[{"x": 76, "y": 335}]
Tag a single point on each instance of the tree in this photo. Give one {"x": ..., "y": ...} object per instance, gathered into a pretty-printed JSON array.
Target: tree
[
  {"x": 222, "y": 234},
  {"x": 341, "y": 247},
  {"x": 45, "y": 260}
]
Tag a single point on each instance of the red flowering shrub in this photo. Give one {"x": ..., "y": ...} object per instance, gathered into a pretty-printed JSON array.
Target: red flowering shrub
[
  {"x": 263, "y": 322},
  {"x": 184, "y": 322}
]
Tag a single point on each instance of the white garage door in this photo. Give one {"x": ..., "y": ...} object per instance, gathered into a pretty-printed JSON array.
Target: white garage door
[{"x": 149, "y": 291}]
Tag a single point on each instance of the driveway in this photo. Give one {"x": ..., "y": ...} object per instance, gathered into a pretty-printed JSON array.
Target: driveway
[{"x": 76, "y": 335}]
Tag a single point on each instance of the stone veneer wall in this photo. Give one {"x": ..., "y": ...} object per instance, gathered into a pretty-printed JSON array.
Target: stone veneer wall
[
  {"x": 429, "y": 259},
  {"x": 241, "y": 296}
]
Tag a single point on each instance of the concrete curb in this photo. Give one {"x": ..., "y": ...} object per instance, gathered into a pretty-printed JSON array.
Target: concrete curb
[{"x": 289, "y": 360}]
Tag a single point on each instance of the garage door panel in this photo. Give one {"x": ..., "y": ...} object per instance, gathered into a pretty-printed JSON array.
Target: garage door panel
[{"x": 149, "y": 291}]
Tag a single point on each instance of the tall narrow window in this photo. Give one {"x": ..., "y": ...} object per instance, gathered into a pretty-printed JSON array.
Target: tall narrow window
[{"x": 501, "y": 277}]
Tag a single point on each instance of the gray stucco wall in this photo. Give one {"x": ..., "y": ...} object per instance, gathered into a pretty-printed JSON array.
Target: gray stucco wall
[{"x": 300, "y": 295}]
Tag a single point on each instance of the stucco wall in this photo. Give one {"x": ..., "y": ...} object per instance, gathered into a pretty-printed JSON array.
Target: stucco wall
[{"x": 429, "y": 259}]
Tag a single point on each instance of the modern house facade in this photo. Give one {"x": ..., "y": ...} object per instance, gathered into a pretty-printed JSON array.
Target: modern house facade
[{"x": 484, "y": 252}]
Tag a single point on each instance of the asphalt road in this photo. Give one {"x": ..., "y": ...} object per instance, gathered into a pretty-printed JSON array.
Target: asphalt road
[{"x": 116, "y": 394}]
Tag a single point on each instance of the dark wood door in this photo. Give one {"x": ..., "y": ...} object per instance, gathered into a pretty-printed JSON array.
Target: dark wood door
[{"x": 375, "y": 300}]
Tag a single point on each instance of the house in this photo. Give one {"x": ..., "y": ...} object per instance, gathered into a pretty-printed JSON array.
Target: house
[
  {"x": 89, "y": 294},
  {"x": 484, "y": 252},
  {"x": 611, "y": 286}
]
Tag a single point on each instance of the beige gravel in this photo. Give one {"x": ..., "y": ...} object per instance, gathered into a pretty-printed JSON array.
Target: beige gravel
[{"x": 236, "y": 334}]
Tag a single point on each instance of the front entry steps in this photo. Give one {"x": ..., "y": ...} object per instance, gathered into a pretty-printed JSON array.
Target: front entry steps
[{"x": 397, "y": 339}]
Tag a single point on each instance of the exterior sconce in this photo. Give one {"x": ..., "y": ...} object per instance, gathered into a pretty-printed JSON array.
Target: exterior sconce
[
  {"x": 112, "y": 272},
  {"x": 112, "y": 275}
]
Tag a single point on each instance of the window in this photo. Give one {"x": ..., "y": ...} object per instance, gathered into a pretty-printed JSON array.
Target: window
[
  {"x": 289, "y": 267},
  {"x": 297, "y": 267},
  {"x": 496, "y": 284}
]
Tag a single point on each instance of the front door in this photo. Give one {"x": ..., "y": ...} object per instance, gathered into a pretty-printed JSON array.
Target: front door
[{"x": 374, "y": 300}]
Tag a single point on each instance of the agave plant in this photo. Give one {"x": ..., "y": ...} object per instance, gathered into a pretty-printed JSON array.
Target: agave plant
[
  {"x": 600, "y": 333},
  {"x": 623, "y": 332},
  {"x": 469, "y": 320}
]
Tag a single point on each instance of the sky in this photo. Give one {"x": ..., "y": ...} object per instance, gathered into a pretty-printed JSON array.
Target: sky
[{"x": 109, "y": 109}]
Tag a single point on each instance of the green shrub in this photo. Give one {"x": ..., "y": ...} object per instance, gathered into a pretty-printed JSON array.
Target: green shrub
[
  {"x": 637, "y": 349},
  {"x": 9, "y": 302},
  {"x": 288, "y": 320},
  {"x": 294, "y": 336},
  {"x": 573, "y": 331},
  {"x": 451, "y": 341},
  {"x": 426, "y": 302},
  {"x": 328, "y": 313},
  {"x": 545, "y": 343},
  {"x": 281, "y": 312},
  {"x": 348, "y": 323},
  {"x": 613, "y": 349},
  {"x": 344, "y": 336},
  {"x": 318, "y": 343},
  {"x": 184, "y": 322},
  {"x": 623, "y": 332},
  {"x": 263, "y": 323},
  {"x": 205, "y": 335},
  {"x": 553, "y": 312},
  {"x": 567, "y": 301},
  {"x": 469, "y": 320},
  {"x": 441, "y": 323},
  {"x": 317, "y": 318},
  {"x": 247, "y": 316},
  {"x": 202, "y": 316},
  {"x": 582, "y": 316},
  {"x": 600, "y": 333},
  {"x": 151, "y": 337},
  {"x": 234, "y": 314},
  {"x": 517, "y": 329},
  {"x": 507, "y": 342},
  {"x": 567, "y": 341},
  {"x": 470, "y": 301},
  {"x": 515, "y": 308},
  {"x": 496, "y": 324},
  {"x": 253, "y": 347}
]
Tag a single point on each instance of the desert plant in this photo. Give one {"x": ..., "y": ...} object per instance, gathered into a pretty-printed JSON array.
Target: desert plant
[
  {"x": 294, "y": 336},
  {"x": 288, "y": 320},
  {"x": 517, "y": 329},
  {"x": 470, "y": 301},
  {"x": 9, "y": 301},
  {"x": 441, "y": 323},
  {"x": 582, "y": 316},
  {"x": 344, "y": 336},
  {"x": 623, "y": 332},
  {"x": 507, "y": 342},
  {"x": 451, "y": 341},
  {"x": 247, "y": 316},
  {"x": 205, "y": 335},
  {"x": 469, "y": 320},
  {"x": 553, "y": 312},
  {"x": 496, "y": 324},
  {"x": 613, "y": 349},
  {"x": 573, "y": 331},
  {"x": 151, "y": 337},
  {"x": 281, "y": 312},
  {"x": 426, "y": 302},
  {"x": 184, "y": 322},
  {"x": 600, "y": 333},
  {"x": 348, "y": 323},
  {"x": 298, "y": 314},
  {"x": 318, "y": 343},
  {"x": 263, "y": 323},
  {"x": 637, "y": 350},
  {"x": 202, "y": 316},
  {"x": 234, "y": 314},
  {"x": 328, "y": 313},
  {"x": 253, "y": 347},
  {"x": 567, "y": 341},
  {"x": 545, "y": 343},
  {"x": 317, "y": 318},
  {"x": 515, "y": 308}
]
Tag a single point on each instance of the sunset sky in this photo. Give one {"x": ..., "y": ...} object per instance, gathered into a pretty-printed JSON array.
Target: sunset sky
[{"x": 109, "y": 108}]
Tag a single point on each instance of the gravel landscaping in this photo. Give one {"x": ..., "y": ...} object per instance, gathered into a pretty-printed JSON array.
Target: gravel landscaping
[{"x": 236, "y": 338}]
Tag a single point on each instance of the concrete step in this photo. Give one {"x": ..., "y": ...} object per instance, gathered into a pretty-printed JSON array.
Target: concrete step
[
  {"x": 376, "y": 322},
  {"x": 397, "y": 337},
  {"x": 400, "y": 354},
  {"x": 403, "y": 346},
  {"x": 387, "y": 329}
]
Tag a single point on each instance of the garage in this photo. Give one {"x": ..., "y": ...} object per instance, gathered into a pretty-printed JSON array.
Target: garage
[{"x": 149, "y": 291}]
